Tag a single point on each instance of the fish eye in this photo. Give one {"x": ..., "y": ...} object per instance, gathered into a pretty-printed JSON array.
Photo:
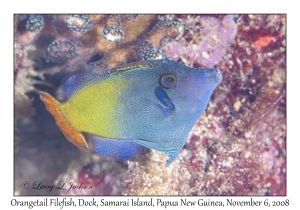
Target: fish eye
[{"x": 167, "y": 80}]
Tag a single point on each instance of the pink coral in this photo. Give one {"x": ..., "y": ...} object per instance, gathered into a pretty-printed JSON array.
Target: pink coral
[
  {"x": 209, "y": 46},
  {"x": 94, "y": 178}
]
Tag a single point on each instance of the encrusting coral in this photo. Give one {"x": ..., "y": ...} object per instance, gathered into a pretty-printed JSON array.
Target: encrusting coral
[{"x": 238, "y": 146}]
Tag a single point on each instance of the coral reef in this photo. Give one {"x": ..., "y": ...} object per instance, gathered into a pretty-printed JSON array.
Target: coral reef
[
  {"x": 100, "y": 177},
  {"x": 79, "y": 23},
  {"x": 35, "y": 23},
  {"x": 112, "y": 31},
  {"x": 205, "y": 42},
  {"x": 238, "y": 146}
]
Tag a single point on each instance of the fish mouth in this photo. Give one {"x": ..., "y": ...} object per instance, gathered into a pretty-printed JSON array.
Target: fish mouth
[
  {"x": 208, "y": 76},
  {"x": 214, "y": 74}
]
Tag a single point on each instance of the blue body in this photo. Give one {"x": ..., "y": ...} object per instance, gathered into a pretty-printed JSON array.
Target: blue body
[{"x": 153, "y": 115}]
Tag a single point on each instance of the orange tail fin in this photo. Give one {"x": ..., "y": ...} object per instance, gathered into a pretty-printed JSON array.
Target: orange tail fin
[{"x": 72, "y": 135}]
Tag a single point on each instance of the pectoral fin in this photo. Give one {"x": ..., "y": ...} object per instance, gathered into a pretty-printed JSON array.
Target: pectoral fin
[
  {"x": 166, "y": 102},
  {"x": 163, "y": 97}
]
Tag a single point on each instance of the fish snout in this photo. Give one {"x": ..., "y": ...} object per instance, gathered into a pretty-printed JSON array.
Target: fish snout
[{"x": 215, "y": 75}]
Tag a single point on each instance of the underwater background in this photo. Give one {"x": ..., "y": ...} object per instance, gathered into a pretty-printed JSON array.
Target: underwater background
[{"x": 237, "y": 147}]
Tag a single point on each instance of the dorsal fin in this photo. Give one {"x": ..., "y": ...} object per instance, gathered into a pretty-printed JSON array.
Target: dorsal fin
[
  {"x": 137, "y": 65},
  {"x": 75, "y": 82}
]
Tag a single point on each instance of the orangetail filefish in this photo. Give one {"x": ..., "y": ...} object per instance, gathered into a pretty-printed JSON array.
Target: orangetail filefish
[{"x": 151, "y": 104}]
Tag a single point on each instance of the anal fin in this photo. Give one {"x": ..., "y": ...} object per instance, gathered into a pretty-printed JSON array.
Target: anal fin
[
  {"x": 171, "y": 150},
  {"x": 72, "y": 135},
  {"x": 122, "y": 149}
]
